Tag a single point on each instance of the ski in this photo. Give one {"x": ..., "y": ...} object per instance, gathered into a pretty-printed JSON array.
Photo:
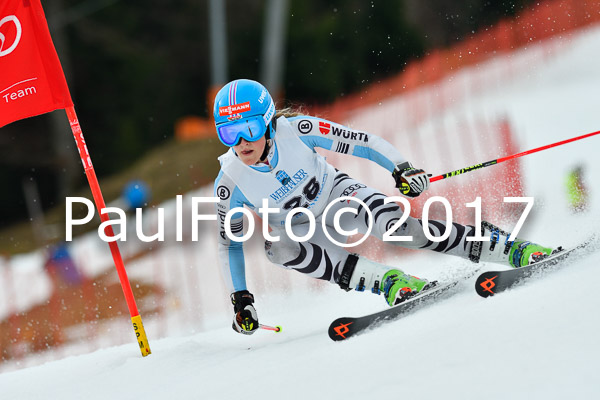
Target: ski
[
  {"x": 492, "y": 282},
  {"x": 345, "y": 327}
]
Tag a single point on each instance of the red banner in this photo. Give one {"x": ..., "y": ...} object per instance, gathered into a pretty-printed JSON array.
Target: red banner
[{"x": 31, "y": 77}]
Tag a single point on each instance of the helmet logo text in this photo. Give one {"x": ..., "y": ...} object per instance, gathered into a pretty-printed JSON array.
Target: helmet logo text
[
  {"x": 234, "y": 109},
  {"x": 262, "y": 96}
]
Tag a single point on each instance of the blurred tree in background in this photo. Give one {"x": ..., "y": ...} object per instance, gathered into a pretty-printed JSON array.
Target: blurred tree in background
[{"x": 134, "y": 67}]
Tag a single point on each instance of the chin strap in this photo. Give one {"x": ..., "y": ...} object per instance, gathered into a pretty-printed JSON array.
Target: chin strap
[
  {"x": 265, "y": 153},
  {"x": 268, "y": 142}
]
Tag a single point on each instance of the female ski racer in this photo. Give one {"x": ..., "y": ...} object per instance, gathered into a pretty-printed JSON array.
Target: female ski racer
[{"x": 272, "y": 156}]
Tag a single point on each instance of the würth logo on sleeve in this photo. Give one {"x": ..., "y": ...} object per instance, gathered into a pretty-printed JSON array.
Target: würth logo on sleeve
[
  {"x": 234, "y": 109},
  {"x": 324, "y": 127}
]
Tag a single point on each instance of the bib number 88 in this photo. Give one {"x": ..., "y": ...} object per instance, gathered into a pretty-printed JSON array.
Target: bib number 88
[{"x": 309, "y": 193}]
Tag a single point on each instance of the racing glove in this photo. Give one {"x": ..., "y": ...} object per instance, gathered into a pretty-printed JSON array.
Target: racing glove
[
  {"x": 245, "y": 319},
  {"x": 410, "y": 181}
]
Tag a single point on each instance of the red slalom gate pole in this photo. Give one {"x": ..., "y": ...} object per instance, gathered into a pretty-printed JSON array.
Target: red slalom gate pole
[
  {"x": 136, "y": 319},
  {"x": 502, "y": 159}
]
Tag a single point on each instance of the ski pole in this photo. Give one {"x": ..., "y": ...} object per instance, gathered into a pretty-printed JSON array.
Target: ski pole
[
  {"x": 502, "y": 159},
  {"x": 275, "y": 328}
]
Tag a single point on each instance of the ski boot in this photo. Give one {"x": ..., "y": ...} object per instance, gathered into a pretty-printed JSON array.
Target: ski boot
[
  {"x": 523, "y": 253},
  {"x": 499, "y": 249},
  {"x": 363, "y": 274},
  {"x": 398, "y": 286}
]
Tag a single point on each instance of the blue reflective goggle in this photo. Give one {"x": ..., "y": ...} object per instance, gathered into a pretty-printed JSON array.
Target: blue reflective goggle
[{"x": 251, "y": 129}]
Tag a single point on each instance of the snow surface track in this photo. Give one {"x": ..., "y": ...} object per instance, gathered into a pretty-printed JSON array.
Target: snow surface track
[{"x": 536, "y": 341}]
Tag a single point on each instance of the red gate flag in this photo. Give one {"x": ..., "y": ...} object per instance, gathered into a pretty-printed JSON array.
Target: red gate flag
[{"x": 32, "y": 81}]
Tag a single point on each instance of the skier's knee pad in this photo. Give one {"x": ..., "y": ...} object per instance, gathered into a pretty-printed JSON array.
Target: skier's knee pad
[{"x": 282, "y": 251}]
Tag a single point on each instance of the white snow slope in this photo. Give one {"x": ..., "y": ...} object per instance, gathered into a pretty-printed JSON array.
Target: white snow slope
[{"x": 536, "y": 341}]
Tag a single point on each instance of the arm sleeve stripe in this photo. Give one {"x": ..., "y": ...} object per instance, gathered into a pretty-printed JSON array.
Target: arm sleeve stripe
[
  {"x": 316, "y": 141},
  {"x": 237, "y": 266},
  {"x": 373, "y": 155}
]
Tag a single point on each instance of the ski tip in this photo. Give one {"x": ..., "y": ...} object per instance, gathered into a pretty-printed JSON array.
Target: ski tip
[
  {"x": 485, "y": 284},
  {"x": 341, "y": 329}
]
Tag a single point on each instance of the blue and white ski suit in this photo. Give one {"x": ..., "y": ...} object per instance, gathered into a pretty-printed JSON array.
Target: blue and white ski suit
[{"x": 297, "y": 176}]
